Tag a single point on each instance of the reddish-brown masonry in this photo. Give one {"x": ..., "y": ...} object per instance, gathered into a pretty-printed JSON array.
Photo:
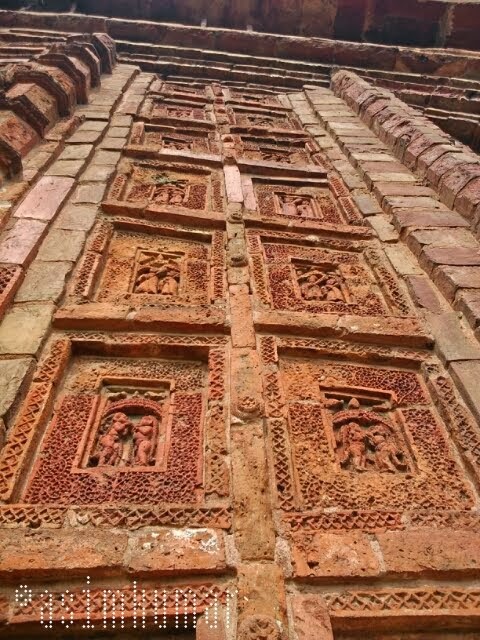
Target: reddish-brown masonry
[{"x": 239, "y": 321}]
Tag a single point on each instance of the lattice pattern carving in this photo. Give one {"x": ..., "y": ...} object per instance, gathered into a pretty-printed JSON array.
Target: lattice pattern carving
[
  {"x": 124, "y": 431},
  {"x": 149, "y": 183},
  {"x": 316, "y": 280}
]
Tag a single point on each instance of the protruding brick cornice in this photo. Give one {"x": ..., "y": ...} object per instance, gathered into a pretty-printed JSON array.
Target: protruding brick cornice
[
  {"x": 448, "y": 166},
  {"x": 38, "y": 92}
]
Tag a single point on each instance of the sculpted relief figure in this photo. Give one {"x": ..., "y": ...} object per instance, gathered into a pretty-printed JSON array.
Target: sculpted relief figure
[
  {"x": 157, "y": 274},
  {"x": 353, "y": 446},
  {"x": 127, "y": 442},
  {"x": 388, "y": 457},
  {"x": 276, "y": 155},
  {"x": 172, "y": 193},
  {"x": 364, "y": 441},
  {"x": 111, "y": 444},
  {"x": 261, "y": 121},
  {"x": 177, "y": 143},
  {"x": 293, "y": 205},
  {"x": 179, "y": 112},
  {"x": 145, "y": 434},
  {"x": 316, "y": 284}
]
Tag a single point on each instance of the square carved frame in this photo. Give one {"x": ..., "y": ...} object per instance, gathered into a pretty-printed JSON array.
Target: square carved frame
[
  {"x": 99, "y": 263},
  {"x": 35, "y": 417},
  {"x": 440, "y": 402}
]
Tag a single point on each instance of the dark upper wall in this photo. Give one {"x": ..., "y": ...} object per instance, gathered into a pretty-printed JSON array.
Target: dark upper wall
[{"x": 443, "y": 23}]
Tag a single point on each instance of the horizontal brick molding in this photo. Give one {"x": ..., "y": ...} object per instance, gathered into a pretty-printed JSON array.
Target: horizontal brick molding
[
  {"x": 449, "y": 167},
  {"x": 39, "y": 91}
]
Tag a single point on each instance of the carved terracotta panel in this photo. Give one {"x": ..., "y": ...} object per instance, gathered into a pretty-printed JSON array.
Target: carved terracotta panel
[
  {"x": 141, "y": 184},
  {"x": 151, "y": 269},
  {"x": 307, "y": 204},
  {"x": 253, "y": 98},
  {"x": 356, "y": 443},
  {"x": 163, "y": 138},
  {"x": 288, "y": 151},
  {"x": 263, "y": 119},
  {"x": 329, "y": 276},
  {"x": 180, "y": 89},
  {"x": 147, "y": 264},
  {"x": 160, "y": 108},
  {"x": 143, "y": 430}
]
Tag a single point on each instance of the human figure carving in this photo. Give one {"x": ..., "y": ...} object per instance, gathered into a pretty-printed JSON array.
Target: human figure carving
[
  {"x": 158, "y": 275},
  {"x": 111, "y": 444},
  {"x": 276, "y": 156},
  {"x": 169, "y": 193},
  {"x": 364, "y": 441},
  {"x": 353, "y": 446},
  {"x": 293, "y": 205},
  {"x": 179, "y": 145},
  {"x": 179, "y": 112},
  {"x": 144, "y": 436},
  {"x": 332, "y": 288},
  {"x": 262, "y": 121},
  {"x": 321, "y": 285},
  {"x": 388, "y": 457}
]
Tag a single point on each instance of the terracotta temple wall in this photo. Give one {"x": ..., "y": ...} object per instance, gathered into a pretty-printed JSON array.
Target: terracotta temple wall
[{"x": 239, "y": 355}]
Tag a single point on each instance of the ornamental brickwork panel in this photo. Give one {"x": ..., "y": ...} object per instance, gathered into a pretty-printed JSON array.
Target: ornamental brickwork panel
[
  {"x": 165, "y": 138},
  {"x": 246, "y": 379},
  {"x": 142, "y": 430},
  {"x": 241, "y": 117},
  {"x": 149, "y": 183},
  {"x": 290, "y": 275},
  {"x": 307, "y": 204}
]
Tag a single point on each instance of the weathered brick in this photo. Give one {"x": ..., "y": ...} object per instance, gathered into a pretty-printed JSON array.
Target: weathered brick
[
  {"x": 19, "y": 244},
  {"x": 334, "y": 555},
  {"x": 367, "y": 205},
  {"x": 76, "y": 217},
  {"x": 467, "y": 302},
  {"x": 76, "y": 152},
  {"x": 402, "y": 260},
  {"x": 310, "y": 617},
  {"x": 13, "y": 375},
  {"x": 466, "y": 375},
  {"x": 44, "y": 281},
  {"x": 66, "y": 168},
  {"x": 407, "y": 218},
  {"x": 62, "y": 245},
  {"x": 28, "y": 554},
  {"x": 45, "y": 199},
  {"x": 453, "y": 342},
  {"x": 423, "y": 293},
  {"x": 176, "y": 551},
  {"x": 24, "y": 328},
  {"x": 385, "y": 231},
  {"x": 430, "y": 551},
  {"x": 450, "y": 279}
]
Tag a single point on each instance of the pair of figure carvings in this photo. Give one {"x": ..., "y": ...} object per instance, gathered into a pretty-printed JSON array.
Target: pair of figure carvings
[
  {"x": 111, "y": 446},
  {"x": 364, "y": 441},
  {"x": 316, "y": 284},
  {"x": 157, "y": 273},
  {"x": 170, "y": 192},
  {"x": 295, "y": 205}
]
